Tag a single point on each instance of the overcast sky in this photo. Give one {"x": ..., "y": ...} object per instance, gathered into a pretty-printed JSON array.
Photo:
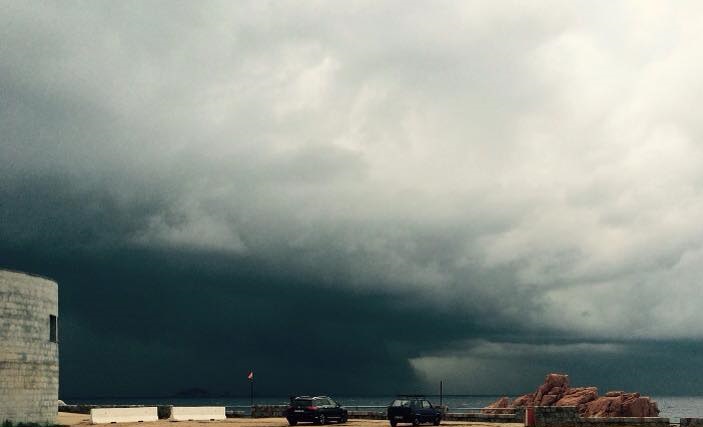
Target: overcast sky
[{"x": 359, "y": 197}]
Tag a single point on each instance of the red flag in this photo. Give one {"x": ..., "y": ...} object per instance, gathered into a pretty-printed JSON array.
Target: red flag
[{"x": 251, "y": 375}]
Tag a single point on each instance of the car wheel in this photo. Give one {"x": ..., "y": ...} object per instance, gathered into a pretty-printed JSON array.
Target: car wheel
[
  {"x": 292, "y": 422},
  {"x": 394, "y": 423},
  {"x": 437, "y": 421},
  {"x": 323, "y": 419},
  {"x": 343, "y": 419},
  {"x": 416, "y": 421}
]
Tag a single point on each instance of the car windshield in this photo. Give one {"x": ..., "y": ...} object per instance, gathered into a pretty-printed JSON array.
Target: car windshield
[
  {"x": 401, "y": 402},
  {"x": 302, "y": 402}
]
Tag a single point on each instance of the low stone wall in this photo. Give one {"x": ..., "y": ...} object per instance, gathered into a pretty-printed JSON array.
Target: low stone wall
[
  {"x": 691, "y": 422},
  {"x": 273, "y": 411},
  {"x": 447, "y": 416},
  {"x": 624, "y": 422},
  {"x": 567, "y": 416},
  {"x": 368, "y": 415},
  {"x": 486, "y": 418},
  {"x": 556, "y": 416},
  {"x": 268, "y": 411},
  {"x": 235, "y": 413}
]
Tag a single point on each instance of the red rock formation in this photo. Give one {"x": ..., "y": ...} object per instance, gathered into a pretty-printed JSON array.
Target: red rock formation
[
  {"x": 578, "y": 397},
  {"x": 638, "y": 407},
  {"x": 653, "y": 409},
  {"x": 556, "y": 392},
  {"x": 554, "y": 388},
  {"x": 621, "y": 404},
  {"x": 524, "y": 400},
  {"x": 604, "y": 406},
  {"x": 494, "y": 408}
]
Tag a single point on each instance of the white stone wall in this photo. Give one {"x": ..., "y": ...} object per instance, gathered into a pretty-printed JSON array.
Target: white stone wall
[{"x": 29, "y": 362}]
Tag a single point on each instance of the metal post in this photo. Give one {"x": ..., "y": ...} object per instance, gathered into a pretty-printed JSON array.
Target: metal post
[{"x": 440, "y": 393}]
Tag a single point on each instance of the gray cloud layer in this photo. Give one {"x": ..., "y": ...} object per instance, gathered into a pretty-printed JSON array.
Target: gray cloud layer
[{"x": 513, "y": 177}]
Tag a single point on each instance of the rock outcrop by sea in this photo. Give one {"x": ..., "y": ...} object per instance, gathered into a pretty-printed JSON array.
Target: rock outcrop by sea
[{"x": 556, "y": 392}]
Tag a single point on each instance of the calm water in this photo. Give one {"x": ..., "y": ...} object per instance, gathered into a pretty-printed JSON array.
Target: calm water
[{"x": 673, "y": 407}]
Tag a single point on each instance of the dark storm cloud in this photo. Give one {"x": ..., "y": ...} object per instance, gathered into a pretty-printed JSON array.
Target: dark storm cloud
[
  {"x": 147, "y": 321},
  {"x": 300, "y": 188}
]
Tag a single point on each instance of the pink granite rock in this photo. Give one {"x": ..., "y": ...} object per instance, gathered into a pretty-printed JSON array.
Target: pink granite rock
[
  {"x": 556, "y": 380},
  {"x": 555, "y": 391},
  {"x": 578, "y": 396},
  {"x": 614, "y": 393},
  {"x": 604, "y": 407},
  {"x": 653, "y": 408},
  {"x": 524, "y": 400},
  {"x": 636, "y": 407},
  {"x": 549, "y": 400},
  {"x": 621, "y": 404},
  {"x": 494, "y": 408}
]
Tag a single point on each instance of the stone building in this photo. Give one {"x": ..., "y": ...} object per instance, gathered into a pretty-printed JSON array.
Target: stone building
[{"x": 29, "y": 350}]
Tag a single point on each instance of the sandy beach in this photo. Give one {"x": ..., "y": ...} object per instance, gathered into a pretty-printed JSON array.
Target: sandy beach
[{"x": 68, "y": 419}]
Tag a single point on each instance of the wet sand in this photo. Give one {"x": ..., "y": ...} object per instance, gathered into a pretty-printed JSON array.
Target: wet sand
[{"x": 67, "y": 419}]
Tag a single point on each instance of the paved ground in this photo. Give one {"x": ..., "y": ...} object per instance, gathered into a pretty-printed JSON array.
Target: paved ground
[{"x": 66, "y": 419}]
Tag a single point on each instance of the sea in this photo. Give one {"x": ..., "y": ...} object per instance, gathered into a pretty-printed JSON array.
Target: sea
[{"x": 673, "y": 407}]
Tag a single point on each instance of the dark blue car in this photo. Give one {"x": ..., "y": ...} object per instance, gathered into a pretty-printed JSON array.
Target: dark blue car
[
  {"x": 413, "y": 409},
  {"x": 319, "y": 410}
]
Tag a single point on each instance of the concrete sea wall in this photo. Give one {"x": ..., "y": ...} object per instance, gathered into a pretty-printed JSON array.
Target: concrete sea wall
[
  {"x": 267, "y": 411},
  {"x": 163, "y": 411},
  {"x": 567, "y": 416},
  {"x": 484, "y": 418},
  {"x": 29, "y": 355}
]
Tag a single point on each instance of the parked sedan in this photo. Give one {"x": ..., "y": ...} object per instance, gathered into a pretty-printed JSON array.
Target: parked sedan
[{"x": 318, "y": 410}]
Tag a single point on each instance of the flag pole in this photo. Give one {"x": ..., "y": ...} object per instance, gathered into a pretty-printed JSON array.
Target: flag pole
[{"x": 251, "y": 390}]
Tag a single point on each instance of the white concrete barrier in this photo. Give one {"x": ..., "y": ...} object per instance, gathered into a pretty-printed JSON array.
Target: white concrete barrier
[
  {"x": 123, "y": 415},
  {"x": 198, "y": 413}
]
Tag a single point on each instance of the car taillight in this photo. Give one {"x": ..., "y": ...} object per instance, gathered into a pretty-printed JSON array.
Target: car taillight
[{"x": 311, "y": 408}]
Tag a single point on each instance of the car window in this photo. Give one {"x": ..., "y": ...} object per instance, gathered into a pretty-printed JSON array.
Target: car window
[
  {"x": 302, "y": 402},
  {"x": 332, "y": 402},
  {"x": 416, "y": 404},
  {"x": 401, "y": 402},
  {"x": 426, "y": 404},
  {"x": 322, "y": 402}
]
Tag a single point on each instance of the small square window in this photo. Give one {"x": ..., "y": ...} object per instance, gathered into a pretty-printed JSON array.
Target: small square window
[{"x": 53, "y": 328}]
